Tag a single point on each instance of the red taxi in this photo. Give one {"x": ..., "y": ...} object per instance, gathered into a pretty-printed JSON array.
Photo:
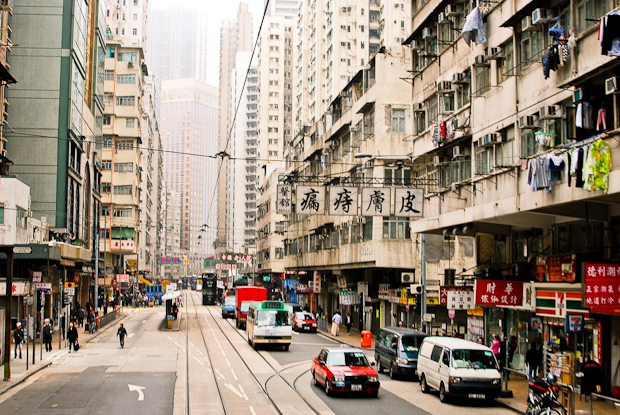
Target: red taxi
[
  {"x": 344, "y": 369},
  {"x": 304, "y": 321}
]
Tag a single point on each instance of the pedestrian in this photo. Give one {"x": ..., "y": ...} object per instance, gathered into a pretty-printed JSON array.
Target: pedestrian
[
  {"x": 533, "y": 360},
  {"x": 336, "y": 321},
  {"x": 347, "y": 323},
  {"x": 307, "y": 308},
  {"x": 72, "y": 336},
  {"x": 480, "y": 340},
  {"x": 400, "y": 323},
  {"x": 121, "y": 333},
  {"x": 495, "y": 348},
  {"x": 18, "y": 338},
  {"x": 80, "y": 318},
  {"x": 47, "y": 335},
  {"x": 91, "y": 322},
  {"x": 443, "y": 333}
]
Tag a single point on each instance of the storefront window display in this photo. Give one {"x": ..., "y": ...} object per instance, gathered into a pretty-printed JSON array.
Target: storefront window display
[{"x": 518, "y": 327}]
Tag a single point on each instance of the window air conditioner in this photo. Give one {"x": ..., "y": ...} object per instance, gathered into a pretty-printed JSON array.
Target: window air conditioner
[
  {"x": 441, "y": 18},
  {"x": 459, "y": 78},
  {"x": 428, "y": 32},
  {"x": 437, "y": 161},
  {"x": 419, "y": 107},
  {"x": 453, "y": 10},
  {"x": 457, "y": 151},
  {"x": 527, "y": 122},
  {"x": 368, "y": 164},
  {"x": 550, "y": 112},
  {"x": 494, "y": 53},
  {"x": 417, "y": 45},
  {"x": 540, "y": 16},
  {"x": 526, "y": 23},
  {"x": 611, "y": 86},
  {"x": 480, "y": 61},
  {"x": 407, "y": 277},
  {"x": 444, "y": 85}
]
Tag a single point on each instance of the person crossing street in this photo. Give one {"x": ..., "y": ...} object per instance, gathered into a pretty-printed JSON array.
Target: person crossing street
[{"x": 121, "y": 333}]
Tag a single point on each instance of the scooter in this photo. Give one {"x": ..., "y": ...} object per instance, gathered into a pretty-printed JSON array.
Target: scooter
[{"x": 543, "y": 398}]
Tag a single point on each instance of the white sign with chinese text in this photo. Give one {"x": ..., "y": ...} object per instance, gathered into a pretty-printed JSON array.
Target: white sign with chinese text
[
  {"x": 19, "y": 288},
  {"x": 461, "y": 300},
  {"x": 408, "y": 202},
  {"x": 343, "y": 200},
  {"x": 376, "y": 201},
  {"x": 284, "y": 201},
  {"x": 310, "y": 200}
]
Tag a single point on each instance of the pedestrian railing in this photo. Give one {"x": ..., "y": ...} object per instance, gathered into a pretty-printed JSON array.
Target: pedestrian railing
[
  {"x": 571, "y": 389},
  {"x": 607, "y": 398}
]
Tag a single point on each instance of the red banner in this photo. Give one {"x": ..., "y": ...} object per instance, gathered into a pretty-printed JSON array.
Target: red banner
[
  {"x": 561, "y": 268},
  {"x": 602, "y": 285},
  {"x": 494, "y": 292},
  {"x": 443, "y": 292}
]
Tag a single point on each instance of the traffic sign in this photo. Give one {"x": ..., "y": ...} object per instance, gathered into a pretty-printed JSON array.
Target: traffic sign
[
  {"x": 451, "y": 313},
  {"x": 36, "y": 276},
  {"x": 45, "y": 287},
  {"x": 69, "y": 285},
  {"x": 70, "y": 291},
  {"x": 428, "y": 317}
]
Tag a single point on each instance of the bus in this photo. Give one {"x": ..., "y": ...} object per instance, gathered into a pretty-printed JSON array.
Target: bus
[
  {"x": 154, "y": 292},
  {"x": 269, "y": 322},
  {"x": 209, "y": 289}
]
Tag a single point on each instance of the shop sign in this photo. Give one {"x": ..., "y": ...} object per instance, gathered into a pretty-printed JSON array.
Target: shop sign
[
  {"x": 36, "y": 276},
  {"x": 122, "y": 277},
  {"x": 310, "y": 200},
  {"x": 536, "y": 324},
  {"x": 432, "y": 300},
  {"x": 574, "y": 323},
  {"x": 317, "y": 282},
  {"x": 529, "y": 298},
  {"x": 561, "y": 268},
  {"x": 499, "y": 293},
  {"x": 362, "y": 288},
  {"x": 384, "y": 291},
  {"x": 445, "y": 290},
  {"x": 283, "y": 199},
  {"x": 349, "y": 297},
  {"x": 602, "y": 287},
  {"x": 18, "y": 288},
  {"x": 304, "y": 288},
  {"x": 403, "y": 296},
  {"x": 460, "y": 300},
  {"x": 44, "y": 287},
  {"x": 343, "y": 200},
  {"x": 243, "y": 258},
  {"x": 394, "y": 296}
]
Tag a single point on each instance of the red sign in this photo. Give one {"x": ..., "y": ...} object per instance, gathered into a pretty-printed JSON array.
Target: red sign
[
  {"x": 561, "y": 268},
  {"x": 494, "y": 292},
  {"x": 443, "y": 292},
  {"x": 602, "y": 285}
]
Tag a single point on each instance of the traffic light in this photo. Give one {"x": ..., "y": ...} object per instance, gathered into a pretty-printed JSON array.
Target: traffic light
[{"x": 225, "y": 285}]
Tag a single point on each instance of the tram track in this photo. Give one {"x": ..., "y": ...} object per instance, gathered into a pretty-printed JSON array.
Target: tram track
[{"x": 278, "y": 372}]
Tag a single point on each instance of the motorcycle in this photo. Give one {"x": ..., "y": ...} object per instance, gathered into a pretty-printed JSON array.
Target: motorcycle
[{"x": 543, "y": 398}]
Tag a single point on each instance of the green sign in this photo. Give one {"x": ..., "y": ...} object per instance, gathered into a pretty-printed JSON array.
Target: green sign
[{"x": 266, "y": 278}]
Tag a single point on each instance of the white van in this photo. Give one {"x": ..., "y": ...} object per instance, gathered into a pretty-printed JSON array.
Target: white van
[{"x": 458, "y": 367}]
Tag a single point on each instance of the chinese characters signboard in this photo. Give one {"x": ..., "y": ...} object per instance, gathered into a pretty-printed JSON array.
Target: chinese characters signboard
[
  {"x": 408, "y": 202},
  {"x": 310, "y": 200},
  {"x": 561, "y": 268},
  {"x": 602, "y": 285},
  {"x": 376, "y": 201},
  {"x": 460, "y": 300},
  {"x": 343, "y": 200},
  {"x": 316, "y": 286},
  {"x": 283, "y": 199},
  {"x": 495, "y": 292},
  {"x": 445, "y": 290}
]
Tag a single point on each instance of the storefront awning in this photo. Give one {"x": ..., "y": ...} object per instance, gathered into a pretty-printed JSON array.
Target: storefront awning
[{"x": 31, "y": 251}]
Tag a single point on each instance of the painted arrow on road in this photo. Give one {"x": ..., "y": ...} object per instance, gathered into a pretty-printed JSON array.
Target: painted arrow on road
[
  {"x": 131, "y": 334},
  {"x": 134, "y": 388}
]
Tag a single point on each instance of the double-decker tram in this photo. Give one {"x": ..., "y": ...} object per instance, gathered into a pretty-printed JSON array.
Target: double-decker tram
[{"x": 209, "y": 289}]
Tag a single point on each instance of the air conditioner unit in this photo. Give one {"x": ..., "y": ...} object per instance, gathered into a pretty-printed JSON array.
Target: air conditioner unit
[
  {"x": 458, "y": 151},
  {"x": 437, "y": 161},
  {"x": 344, "y": 9},
  {"x": 415, "y": 288},
  {"x": 428, "y": 32},
  {"x": 527, "y": 122},
  {"x": 550, "y": 112},
  {"x": 453, "y": 10},
  {"x": 418, "y": 107},
  {"x": 361, "y": 220},
  {"x": 526, "y": 23},
  {"x": 459, "y": 78},
  {"x": 578, "y": 95},
  {"x": 343, "y": 43},
  {"x": 494, "y": 53},
  {"x": 368, "y": 164},
  {"x": 540, "y": 16},
  {"x": 130, "y": 64},
  {"x": 443, "y": 85},
  {"x": 480, "y": 61},
  {"x": 495, "y": 138},
  {"x": 611, "y": 86},
  {"x": 407, "y": 277},
  {"x": 441, "y": 18},
  {"x": 417, "y": 45}
]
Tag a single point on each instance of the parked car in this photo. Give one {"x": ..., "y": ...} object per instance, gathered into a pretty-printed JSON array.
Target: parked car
[
  {"x": 396, "y": 349},
  {"x": 304, "y": 321},
  {"x": 458, "y": 367},
  {"x": 344, "y": 369}
]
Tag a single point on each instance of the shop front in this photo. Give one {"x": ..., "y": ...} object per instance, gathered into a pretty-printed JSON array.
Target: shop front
[{"x": 520, "y": 331}]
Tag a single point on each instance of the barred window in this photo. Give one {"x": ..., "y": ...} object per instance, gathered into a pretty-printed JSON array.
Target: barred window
[
  {"x": 122, "y": 212},
  {"x": 105, "y": 187},
  {"x": 126, "y": 79},
  {"x": 123, "y": 190},
  {"x": 129, "y": 100},
  {"x": 123, "y": 167},
  {"x": 106, "y": 164}
]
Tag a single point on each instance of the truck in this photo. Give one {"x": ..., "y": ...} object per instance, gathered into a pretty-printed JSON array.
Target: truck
[{"x": 246, "y": 296}]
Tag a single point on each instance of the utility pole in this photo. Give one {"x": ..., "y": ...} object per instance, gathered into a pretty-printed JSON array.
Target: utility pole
[
  {"x": 96, "y": 290},
  {"x": 9, "y": 312},
  {"x": 423, "y": 295}
]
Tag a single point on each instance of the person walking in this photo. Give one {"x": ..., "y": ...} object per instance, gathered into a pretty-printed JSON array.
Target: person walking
[
  {"x": 495, "y": 348},
  {"x": 121, "y": 333},
  {"x": 80, "y": 317},
  {"x": 533, "y": 360},
  {"x": 91, "y": 322},
  {"x": 336, "y": 321},
  {"x": 18, "y": 338},
  {"x": 72, "y": 336},
  {"x": 47, "y": 335},
  {"x": 347, "y": 323}
]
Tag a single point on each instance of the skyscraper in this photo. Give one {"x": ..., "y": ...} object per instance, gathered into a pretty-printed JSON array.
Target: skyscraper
[
  {"x": 235, "y": 36},
  {"x": 188, "y": 127}
]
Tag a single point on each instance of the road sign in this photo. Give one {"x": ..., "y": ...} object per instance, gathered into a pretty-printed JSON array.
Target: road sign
[
  {"x": 22, "y": 250},
  {"x": 29, "y": 300},
  {"x": 69, "y": 285},
  {"x": 428, "y": 317},
  {"x": 122, "y": 277},
  {"x": 451, "y": 313},
  {"x": 45, "y": 287},
  {"x": 70, "y": 291},
  {"x": 461, "y": 300},
  {"x": 433, "y": 282}
]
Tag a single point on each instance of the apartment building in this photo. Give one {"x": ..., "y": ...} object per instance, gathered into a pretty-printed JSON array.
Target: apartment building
[
  {"x": 172, "y": 242},
  {"x": 127, "y": 21},
  {"x": 5, "y": 76},
  {"x": 486, "y": 117}
]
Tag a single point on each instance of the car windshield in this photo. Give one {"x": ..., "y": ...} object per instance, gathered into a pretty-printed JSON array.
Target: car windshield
[
  {"x": 273, "y": 318},
  {"x": 347, "y": 359},
  {"x": 410, "y": 343},
  {"x": 245, "y": 306},
  {"x": 473, "y": 359},
  {"x": 304, "y": 316},
  {"x": 230, "y": 300}
]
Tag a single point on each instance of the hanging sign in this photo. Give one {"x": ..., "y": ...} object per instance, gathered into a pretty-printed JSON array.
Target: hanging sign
[
  {"x": 343, "y": 200},
  {"x": 283, "y": 199},
  {"x": 316, "y": 287},
  {"x": 408, "y": 202},
  {"x": 376, "y": 201},
  {"x": 497, "y": 292},
  {"x": 310, "y": 200}
]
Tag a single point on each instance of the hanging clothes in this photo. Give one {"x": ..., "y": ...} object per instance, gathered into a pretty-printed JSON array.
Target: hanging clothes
[
  {"x": 597, "y": 167},
  {"x": 538, "y": 174},
  {"x": 473, "y": 29},
  {"x": 610, "y": 26},
  {"x": 602, "y": 118},
  {"x": 556, "y": 167},
  {"x": 576, "y": 167}
]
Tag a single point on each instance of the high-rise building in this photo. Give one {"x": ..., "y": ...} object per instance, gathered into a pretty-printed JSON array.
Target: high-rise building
[
  {"x": 235, "y": 35},
  {"x": 188, "y": 127},
  {"x": 126, "y": 21},
  {"x": 284, "y": 8},
  {"x": 172, "y": 227}
]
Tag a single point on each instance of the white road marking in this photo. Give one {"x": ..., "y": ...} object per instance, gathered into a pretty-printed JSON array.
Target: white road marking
[
  {"x": 135, "y": 388},
  {"x": 168, "y": 337},
  {"x": 232, "y": 388},
  {"x": 228, "y": 363},
  {"x": 209, "y": 369},
  {"x": 219, "y": 373},
  {"x": 207, "y": 360},
  {"x": 234, "y": 374},
  {"x": 243, "y": 392},
  {"x": 143, "y": 321},
  {"x": 131, "y": 335},
  {"x": 192, "y": 344},
  {"x": 252, "y": 411},
  {"x": 198, "y": 351},
  {"x": 295, "y": 333},
  {"x": 178, "y": 345},
  {"x": 223, "y": 354},
  {"x": 199, "y": 361},
  {"x": 219, "y": 345}
]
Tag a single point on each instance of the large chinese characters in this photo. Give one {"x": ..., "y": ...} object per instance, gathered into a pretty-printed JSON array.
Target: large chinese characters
[
  {"x": 283, "y": 199},
  {"x": 500, "y": 293},
  {"x": 343, "y": 200},
  {"x": 376, "y": 201},
  {"x": 310, "y": 200},
  {"x": 602, "y": 285}
]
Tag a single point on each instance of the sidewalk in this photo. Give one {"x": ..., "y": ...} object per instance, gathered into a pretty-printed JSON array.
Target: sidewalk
[
  {"x": 354, "y": 340},
  {"x": 19, "y": 373}
]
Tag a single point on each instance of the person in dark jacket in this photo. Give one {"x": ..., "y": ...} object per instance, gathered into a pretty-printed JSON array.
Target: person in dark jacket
[
  {"x": 18, "y": 338},
  {"x": 533, "y": 360},
  {"x": 47, "y": 335},
  {"x": 91, "y": 322},
  {"x": 72, "y": 336},
  {"x": 121, "y": 333}
]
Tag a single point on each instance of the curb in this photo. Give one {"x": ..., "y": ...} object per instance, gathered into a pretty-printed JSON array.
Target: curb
[
  {"x": 31, "y": 372},
  {"x": 329, "y": 335},
  {"x": 508, "y": 406}
]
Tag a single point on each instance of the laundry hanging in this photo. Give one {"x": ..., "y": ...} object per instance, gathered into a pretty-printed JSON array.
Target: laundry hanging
[
  {"x": 609, "y": 34},
  {"x": 597, "y": 166},
  {"x": 473, "y": 29}
]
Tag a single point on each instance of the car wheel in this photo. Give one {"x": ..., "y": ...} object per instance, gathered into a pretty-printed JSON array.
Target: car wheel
[
  {"x": 314, "y": 381},
  {"x": 443, "y": 395},
  {"x": 374, "y": 394},
  {"x": 255, "y": 346},
  {"x": 423, "y": 385},
  {"x": 327, "y": 391},
  {"x": 379, "y": 367},
  {"x": 286, "y": 346},
  {"x": 392, "y": 373}
]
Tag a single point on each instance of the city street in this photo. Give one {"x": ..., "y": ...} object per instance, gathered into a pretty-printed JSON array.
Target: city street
[{"x": 226, "y": 376}]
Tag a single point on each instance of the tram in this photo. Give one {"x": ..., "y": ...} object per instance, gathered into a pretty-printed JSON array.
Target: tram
[{"x": 209, "y": 289}]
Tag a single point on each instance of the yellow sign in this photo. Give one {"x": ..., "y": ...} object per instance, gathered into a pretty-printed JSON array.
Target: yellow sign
[
  {"x": 432, "y": 301},
  {"x": 133, "y": 264},
  {"x": 412, "y": 301},
  {"x": 403, "y": 296},
  {"x": 69, "y": 285},
  {"x": 478, "y": 311}
]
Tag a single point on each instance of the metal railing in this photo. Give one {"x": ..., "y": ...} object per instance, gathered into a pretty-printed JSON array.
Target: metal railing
[
  {"x": 571, "y": 410},
  {"x": 607, "y": 398}
]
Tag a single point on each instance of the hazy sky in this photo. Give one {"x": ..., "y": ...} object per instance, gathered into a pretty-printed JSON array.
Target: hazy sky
[{"x": 217, "y": 11}]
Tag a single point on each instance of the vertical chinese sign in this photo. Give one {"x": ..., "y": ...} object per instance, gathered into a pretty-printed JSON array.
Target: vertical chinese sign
[{"x": 284, "y": 201}]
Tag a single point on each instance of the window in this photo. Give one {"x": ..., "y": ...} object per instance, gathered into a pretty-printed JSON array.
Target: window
[
  {"x": 456, "y": 171},
  {"x": 109, "y": 75},
  {"x": 106, "y": 165},
  {"x": 367, "y": 229},
  {"x": 124, "y": 145},
  {"x": 111, "y": 51},
  {"x": 130, "y": 122},
  {"x": 107, "y": 119},
  {"x": 107, "y": 142},
  {"x": 126, "y": 79},
  {"x": 123, "y": 167},
  {"x": 123, "y": 190},
  {"x": 134, "y": 31},
  {"x": 394, "y": 176},
  {"x": 420, "y": 121},
  {"x": 396, "y": 228},
  {"x": 127, "y": 56},
  {"x": 432, "y": 109},
  {"x": 589, "y": 11},
  {"x": 531, "y": 47},
  {"x": 436, "y": 353},
  {"x": 505, "y": 65},
  {"x": 362, "y": 28},
  {"x": 135, "y": 17},
  {"x": 105, "y": 187},
  {"x": 529, "y": 147},
  {"x": 369, "y": 123},
  {"x": 483, "y": 80},
  {"x": 122, "y": 212},
  {"x": 504, "y": 151},
  {"x": 398, "y": 120},
  {"x": 484, "y": 160},
  {"x": 1, "y": 215},
  {"x": 129, "y": 100}
]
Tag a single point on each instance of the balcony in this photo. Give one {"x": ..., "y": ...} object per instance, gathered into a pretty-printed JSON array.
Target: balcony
[{"x": 7, "y": 5}]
